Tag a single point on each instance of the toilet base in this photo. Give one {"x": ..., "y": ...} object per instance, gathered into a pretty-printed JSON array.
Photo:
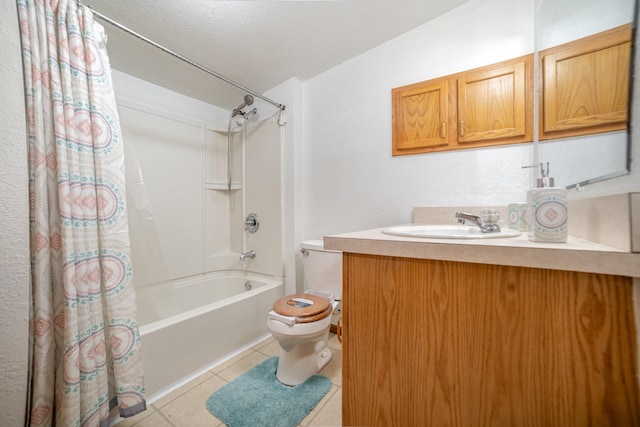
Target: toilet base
[{"x": 301, "y": 361}]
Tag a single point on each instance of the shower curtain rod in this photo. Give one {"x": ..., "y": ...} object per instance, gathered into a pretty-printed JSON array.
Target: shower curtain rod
[{"x": 182, "y": 58}]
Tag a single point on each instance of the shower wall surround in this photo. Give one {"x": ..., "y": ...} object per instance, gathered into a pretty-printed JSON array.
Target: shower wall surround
[
  {"x": 183, "y": 220},
  {"x": 165, "y": 153}
]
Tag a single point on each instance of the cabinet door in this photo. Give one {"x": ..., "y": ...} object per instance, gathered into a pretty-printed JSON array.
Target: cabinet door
[
  {"x": 441, "y": 343},
  {"x": 493, "y": 103},
  {"x": 421, "y": 116},
  {"x": 585, "y": 85}
]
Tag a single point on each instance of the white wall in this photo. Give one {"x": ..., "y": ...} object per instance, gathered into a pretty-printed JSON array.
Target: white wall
[
  {"x": 14, "y": 225},
  {"x": 560, "y": 22},
  {"x": 352, "y": 182}
]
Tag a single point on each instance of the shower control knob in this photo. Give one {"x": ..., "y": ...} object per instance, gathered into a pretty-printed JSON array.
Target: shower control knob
[{"x": 251, "y": 223}]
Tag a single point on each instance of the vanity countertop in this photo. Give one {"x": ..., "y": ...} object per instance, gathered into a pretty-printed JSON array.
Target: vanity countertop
[{"x": 574, "y": 255}]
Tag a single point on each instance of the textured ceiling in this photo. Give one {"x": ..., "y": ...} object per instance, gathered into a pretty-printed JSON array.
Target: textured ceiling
[{"x": 258, "y": 44}]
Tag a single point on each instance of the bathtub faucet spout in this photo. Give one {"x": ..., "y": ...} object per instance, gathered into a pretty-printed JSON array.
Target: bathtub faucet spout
[{"x": 248, "y": 254}]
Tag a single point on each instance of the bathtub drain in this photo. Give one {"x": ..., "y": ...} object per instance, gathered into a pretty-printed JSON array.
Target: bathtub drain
[{"x": 248, "y": 285}]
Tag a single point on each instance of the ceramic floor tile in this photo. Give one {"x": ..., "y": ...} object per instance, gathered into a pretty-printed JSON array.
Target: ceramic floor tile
[
  {"x": 190, "y": 408},
  {"x": 235, "y": 359},
  {"x": 314, "y": 412},
  {"x": 271, "y": 349},
  {"x": 262, "y": 343},
  {"x": 329, "y": 415},
  {"x": 333, "y": 342},
  {"x": 242, "y": 366},
  {"x": 182, "y": 389},
  {"x": 333, "y": 369}
]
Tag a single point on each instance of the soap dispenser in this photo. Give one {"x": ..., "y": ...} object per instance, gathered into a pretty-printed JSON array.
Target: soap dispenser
[{"x": 548, "y": 210}]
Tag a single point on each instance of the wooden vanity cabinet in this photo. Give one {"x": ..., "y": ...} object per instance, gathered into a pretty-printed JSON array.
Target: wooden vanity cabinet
[
  {"x": 440, "y": 343},
  {"x": 585, "y": 85},
  {"x": 491, "y": 105}
]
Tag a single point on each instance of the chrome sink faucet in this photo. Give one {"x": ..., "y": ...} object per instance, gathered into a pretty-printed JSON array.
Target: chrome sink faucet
[
  {"x": 477, "y": 220},
  {"x": 247, "y": 254}
]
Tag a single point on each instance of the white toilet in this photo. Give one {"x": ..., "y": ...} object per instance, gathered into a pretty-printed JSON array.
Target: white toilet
[{"x": 300, "y": 322}]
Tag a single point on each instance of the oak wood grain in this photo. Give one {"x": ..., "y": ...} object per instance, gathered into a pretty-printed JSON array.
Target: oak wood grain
[
  {"x": 585, "y": 85},
  {"x": 491, "y": 105},
  {"x": 438, "y": 343},
  {"x": 421, "y": 116}
]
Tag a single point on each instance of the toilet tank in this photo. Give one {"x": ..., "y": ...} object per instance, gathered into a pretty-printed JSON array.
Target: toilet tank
[{"x": 322, "y": 268}]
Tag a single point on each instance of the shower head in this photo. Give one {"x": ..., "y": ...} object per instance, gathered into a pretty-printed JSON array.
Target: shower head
[{"x": 248, "y": 100}]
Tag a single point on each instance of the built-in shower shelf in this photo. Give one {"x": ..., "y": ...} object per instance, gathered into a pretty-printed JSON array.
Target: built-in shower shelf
[{"x": 223, "y": 186}]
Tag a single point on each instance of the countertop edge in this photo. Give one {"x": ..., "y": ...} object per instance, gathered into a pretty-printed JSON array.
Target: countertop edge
[{"x": 599, "y": 259}]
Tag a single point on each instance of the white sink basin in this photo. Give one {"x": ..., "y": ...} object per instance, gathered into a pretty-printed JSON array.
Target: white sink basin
[{"x": 447, "y": 232}]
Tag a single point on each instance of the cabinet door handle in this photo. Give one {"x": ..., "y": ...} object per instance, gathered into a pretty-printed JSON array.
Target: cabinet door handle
[
  {"x": 443, "y": 130},
  {"x": 461, "y": 127}
]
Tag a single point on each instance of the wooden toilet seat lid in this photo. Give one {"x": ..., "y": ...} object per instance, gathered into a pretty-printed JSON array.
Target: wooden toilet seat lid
[{"x": 304, "y": 307}]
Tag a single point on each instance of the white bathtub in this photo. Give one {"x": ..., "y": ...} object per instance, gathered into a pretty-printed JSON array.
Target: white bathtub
[{"x": 187, "y": 325}]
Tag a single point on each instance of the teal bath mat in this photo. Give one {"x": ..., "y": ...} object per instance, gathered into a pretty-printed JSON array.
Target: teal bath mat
[{"x": 257, "y": 398}]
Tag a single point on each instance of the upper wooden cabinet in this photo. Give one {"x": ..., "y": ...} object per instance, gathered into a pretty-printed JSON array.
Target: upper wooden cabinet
[
  {"x": 585, "y": 85},
  {"x": 491, "y": 105},
  {"x": 422, "y": 115}
]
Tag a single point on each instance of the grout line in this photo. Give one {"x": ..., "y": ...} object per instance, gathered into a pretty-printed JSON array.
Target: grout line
[
  {"x": 188, "y": 386},
  {"x": 166, "y": 418}
]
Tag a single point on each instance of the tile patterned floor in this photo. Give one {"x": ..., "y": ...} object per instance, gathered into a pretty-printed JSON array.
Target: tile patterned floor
[{"x": 186, "y": 405}]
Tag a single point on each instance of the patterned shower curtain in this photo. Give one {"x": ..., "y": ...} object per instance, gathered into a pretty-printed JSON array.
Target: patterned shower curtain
[{"x": 85, "y": 355}]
